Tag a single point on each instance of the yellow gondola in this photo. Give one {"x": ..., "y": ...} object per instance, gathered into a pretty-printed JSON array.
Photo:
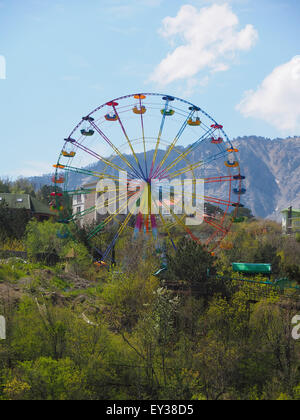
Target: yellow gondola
[
  {"x": 140, "y": 96},
  {"x": 59, "y": 180},
  {"x": 196, "y": 122},
  {"x": 68, "y": 154},
  {"x": 59, "y": 166},
  {"x": 139, "y": 111},
  {"x": 232, "y": 150},
  {"x": 231, "y": 164},
  {"x": 100, "y": 264}
]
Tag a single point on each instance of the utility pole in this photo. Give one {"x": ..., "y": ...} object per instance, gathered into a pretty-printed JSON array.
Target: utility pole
[
  {"x": 290, "y": 221},
  {"x": 113, "y": 257},
  {"x": 2, "y": 328}
]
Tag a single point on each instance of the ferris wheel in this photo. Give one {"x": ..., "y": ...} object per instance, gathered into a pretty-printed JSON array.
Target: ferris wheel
[{"x": 151, "y": 164}]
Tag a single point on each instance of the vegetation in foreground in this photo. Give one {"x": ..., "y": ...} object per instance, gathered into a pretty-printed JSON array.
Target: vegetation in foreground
[{"x": 77, "y": 332}]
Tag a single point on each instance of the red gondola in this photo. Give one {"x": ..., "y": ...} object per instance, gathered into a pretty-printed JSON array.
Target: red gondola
[{"x": 216, "y": 141}]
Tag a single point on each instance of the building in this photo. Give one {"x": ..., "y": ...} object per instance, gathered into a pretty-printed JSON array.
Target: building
[
  {"x": 34, "y": 207},
  {"x": 83, "y": 202},
  {"x": 290, "y": 220}
]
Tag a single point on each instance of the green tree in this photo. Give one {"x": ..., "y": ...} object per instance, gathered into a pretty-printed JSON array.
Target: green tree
[
  {"x": 50, "y": 379},
  {"x": 13, "y": 222},
  {"x": 42, "y": 240},
  {"x": 44, "y": 194},
  {"x": 192, "y": 264},
  {"x": 22, "y": 186},
  {"x": 5, "y": 185},
  {"x": 267, "y": 253},
  {"x": 244, "y": 212},
  {"x": 272, "y": 342}
]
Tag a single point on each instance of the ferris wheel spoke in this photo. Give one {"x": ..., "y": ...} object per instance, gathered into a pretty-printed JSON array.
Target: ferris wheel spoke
[
  {"x": 115, "y": 200},
  {"x": 120, "y": 231},
  {"x": 159, "y": 136},
  {"x": 164, "y": 222},
  {"x": 82, "y": 171},
  {"x": 219, "y": 201},
  {"x": 129, "y": 142},
  {"x": 195, "y": 166},
  {"x": 116, "y": 150},
  {"x": 182, "y": 223},
  {"x": 210, "y": 180},
  {"x": 80, "y": 191},
  {"x": 82, "y": 213},
  {"x": 173, "y": 144},
  {"x": 96, "y": 156},
  {"x": 126, "y": 197},
  {"x": 215, "y": 225},
  {"x": 191, "y": 149},
  {"x": 98, "y": 228}
]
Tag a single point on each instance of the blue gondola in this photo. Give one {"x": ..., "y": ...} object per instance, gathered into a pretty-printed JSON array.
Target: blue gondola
[
  {"x": 239, "y": 191},
  {"x": 239, "y": 177}
]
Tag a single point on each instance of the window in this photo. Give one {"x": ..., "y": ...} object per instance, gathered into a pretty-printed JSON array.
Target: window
[
  {"x": 78, "y": 210},
  {"x": 79, "y": 198}
]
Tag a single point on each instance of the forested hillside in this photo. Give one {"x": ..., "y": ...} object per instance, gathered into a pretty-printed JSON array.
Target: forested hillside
[{"x": 77, "y": 331}]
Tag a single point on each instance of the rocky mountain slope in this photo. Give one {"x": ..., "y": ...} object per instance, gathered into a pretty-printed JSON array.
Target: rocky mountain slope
[{"x": 272, "y": 169}]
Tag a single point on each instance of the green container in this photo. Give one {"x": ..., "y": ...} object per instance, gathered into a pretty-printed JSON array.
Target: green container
[{"x": 252, "y": 268}]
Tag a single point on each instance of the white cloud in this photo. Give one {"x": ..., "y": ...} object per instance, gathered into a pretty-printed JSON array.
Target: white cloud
[
  {"x": 191, "y": 85},
  {"x": 277, "y": 99},
  {"x": 206, "y": 39}
]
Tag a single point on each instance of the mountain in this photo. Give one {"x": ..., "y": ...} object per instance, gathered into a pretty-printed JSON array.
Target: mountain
[{"x": 271, "y": 167}]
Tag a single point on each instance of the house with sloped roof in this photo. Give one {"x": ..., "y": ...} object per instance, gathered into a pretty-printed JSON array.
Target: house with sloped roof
[{"x": 34, "y": 207}]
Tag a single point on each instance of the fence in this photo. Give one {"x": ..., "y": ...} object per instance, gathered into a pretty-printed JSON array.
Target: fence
[{"x": 12, "y": 254}]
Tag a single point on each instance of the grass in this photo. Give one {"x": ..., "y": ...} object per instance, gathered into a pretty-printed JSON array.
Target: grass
[{"x": 11, "y": 274}]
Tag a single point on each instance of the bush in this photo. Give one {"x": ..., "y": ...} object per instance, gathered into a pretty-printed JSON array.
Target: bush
[
  {"x": 13, "y": 222},
  {"x": 47, "y": 379},
  {"x": 42, "y": 242},
  {"x": 192, "y": 263}
]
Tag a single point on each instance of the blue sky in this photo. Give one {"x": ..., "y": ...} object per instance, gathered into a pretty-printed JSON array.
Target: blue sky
[{"x": 239, "y": 60}]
